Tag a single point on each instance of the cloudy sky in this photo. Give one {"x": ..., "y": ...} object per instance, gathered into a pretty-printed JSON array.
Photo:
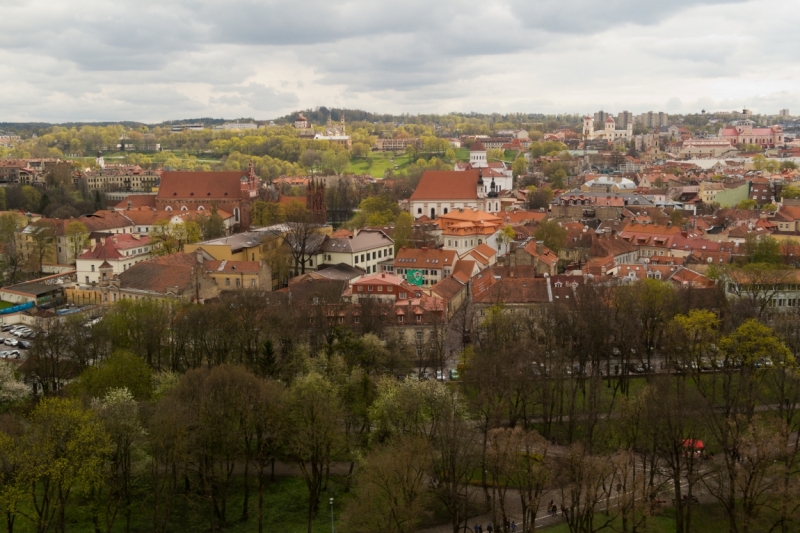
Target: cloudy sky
[{"x": 154, "y": 60}]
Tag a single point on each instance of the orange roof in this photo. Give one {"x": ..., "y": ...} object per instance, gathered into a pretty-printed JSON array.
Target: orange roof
[
  {"x": 201, "y": 185},
  {"x": 233, "y": 267},
  {"x": 137, "y": 200},
  {"x": 424, "y": 258}
]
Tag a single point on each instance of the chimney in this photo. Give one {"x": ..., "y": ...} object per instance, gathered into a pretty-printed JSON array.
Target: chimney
[
  {"x": 539, "y": 247},
  {"x": 383, "y": 275},
  {"x": 199, "y": 255}
]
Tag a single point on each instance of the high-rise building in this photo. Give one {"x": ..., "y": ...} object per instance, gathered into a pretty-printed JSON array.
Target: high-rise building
[
  {"x": 624, "y": 118},
  {"x": 600, "y": 117},
  {"x": 784, "y": 113},
  {"x": 653, "y": 120}
]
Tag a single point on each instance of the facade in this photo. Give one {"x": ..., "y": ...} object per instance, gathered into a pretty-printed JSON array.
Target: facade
[
  {"x": 120, "y": 178},
  {"x": 624, "y": 118},
  {"x": 301, "y": 122},
  {"x": 427, "y": 266},
  {"x": 653, "y": 120},
  {"x": 391, "y": 145},
  {"x": 118, "y": 252},
  {"x": 744, "y": 132},
  {"x": 609, "y": 132},
  {"x": 233, "y": 275},
  {"x": 232, "y": 192},
  {"x": 440, "y": 192},
  {"x": 364, "y": 249}
]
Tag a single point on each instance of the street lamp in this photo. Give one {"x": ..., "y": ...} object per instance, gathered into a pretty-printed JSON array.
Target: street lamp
[{"x": 331, "y": 500}]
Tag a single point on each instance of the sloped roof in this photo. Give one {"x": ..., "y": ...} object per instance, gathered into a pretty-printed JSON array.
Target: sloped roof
[
  {"x": 136, "y": 200},
  {"x": 160, "y": 274},
  {"x": 448, "y": 288},
  {"x": 232, "y": 267},
  {"x": 447, "y": 185},
  {"x": 424, "y": 258},
  {"x": 105, "y": 220},
  {"x": 200, "y": 185},
  {"x": 111, "y": 246}
]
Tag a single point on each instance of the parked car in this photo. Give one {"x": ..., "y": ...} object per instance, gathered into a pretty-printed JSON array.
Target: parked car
[
  {"x": 25, "y": 345},
  {"x": 6, "y": 327},
  {"x": 12, "y": 342},
  {"x": 4, "y": 354},
  {"x": 439, "y": 375},
  {"x": 453, "y": 374},
  {"x": 424, "y": 376},
  {"x": 14, "y": 353}
]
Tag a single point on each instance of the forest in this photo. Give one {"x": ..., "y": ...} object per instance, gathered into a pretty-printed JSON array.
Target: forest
[{"x": 165, "y": 416}]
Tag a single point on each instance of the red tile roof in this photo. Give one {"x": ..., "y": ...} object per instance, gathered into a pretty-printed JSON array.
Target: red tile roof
[
  {"x": 113, "y": 247},
  {"x": 447, "y": 185},
  {"x": 233, "y": 267},
  {"x": 201, "y": 185}
]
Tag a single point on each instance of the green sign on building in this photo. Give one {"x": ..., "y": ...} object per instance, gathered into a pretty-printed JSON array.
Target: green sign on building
[{"x": 414, "y": 276}]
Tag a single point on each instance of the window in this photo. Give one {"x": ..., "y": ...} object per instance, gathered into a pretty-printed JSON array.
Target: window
[
  {"x": 374, "y": 255},
  {"x": 237, "y": 282},
  {"x": 369, "y": 288},
  {"x": 356, "y": 319},
  {"x": 92, "y": 268},
  {"x": 356, "y": 258},
  {"x": 362, "y": 258},
  {"x": 380, "y": 288},
  {"x": 389, "y": 289},
  {"x": 227, "y": 281},
  {"x": 252, "y": 283},
  {"x": 360, "y": 288},
  {"x": 87, "y": 280},
  {"x": 419, "y": 336},
  {"x": 402, "y": 296},
  {"x": 419, "y": 318},
  {"x": 311, "y": 262},
  {"x": 341, "y": 319},
  {"x": 400, "y": 318}
]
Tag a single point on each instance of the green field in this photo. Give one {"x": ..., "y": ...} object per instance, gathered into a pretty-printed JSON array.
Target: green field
[{"x": 376, "y": 164}]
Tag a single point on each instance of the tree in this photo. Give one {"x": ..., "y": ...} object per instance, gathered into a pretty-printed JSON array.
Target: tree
[
  {"x": 519, "y": 166},
  {"x": 788, "y": 165},
  {"x": 77, "y": 234},
  {"x": 559, "y": 179},
  {"x": 267, "y": 213},
  {"x": 63, "y": 454},
  {"x": 170, "y": 238},
  {"x": 12, "y": 390},
  {"x": 505, "y": 236},
  {"x": 495, "y": 155},
  {"x": 552, "y": 234},
  {"x": 300, "y": 237},
  {"x": 403, "y": 228},
  {"x": 212, "y": 226},
  {"x": 539, "y": 198},
  {"x": 391, "y": 490},
  {"x": 314, "y": 415},
  {"x": 762, "y": 249},
  {"x": 747, "y": 204},
  {"x": 375, "y": 211},
  {"x": 676, "y": 217},
  {"x": 121, "y": 370},
  {"x": 119, "y": 413},
  {"x": 43, "y": 233}
]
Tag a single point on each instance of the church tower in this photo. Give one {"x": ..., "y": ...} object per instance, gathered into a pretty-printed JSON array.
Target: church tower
[
  {"x": 342, "y": 123},
  {"x": 588, "y": 127},
  {"x": 315, "y": 201}
]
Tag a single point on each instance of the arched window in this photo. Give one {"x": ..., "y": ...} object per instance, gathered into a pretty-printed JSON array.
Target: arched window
[
  {"x": 201, "y": 208},
  {"x": 168, "y": 208},
  {"x": 184, "y": 208},
  {"x": 419, "y": 210},
  {"x": 236, "y": 214}
]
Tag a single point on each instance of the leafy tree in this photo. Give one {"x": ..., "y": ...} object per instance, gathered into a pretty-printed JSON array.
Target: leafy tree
[
  {"x": 375, "y": 211},
  {"x": 495, "y": 155},
  {"x": 676, "y": 217},
  {"x": 765, "y": 250},
  {"x": 558, "y": 179},
  {"x": 300, "y": 237},
  {"x": 790, "y": 192},
  {"x": 121, "y": 370},
  {"x": 747, "y": 204},
  {"x": 552, "y": 234},
  {"x": 403, "y": 228},
  {"x": 505, "y": 236},
  {"x": 64, "y": 451},
  {"x": 170, "y": 237},
  {"x": 788, "y": 165},
  {"x": 519, "y": 166},
  {"x": 267, "y": 213},
  {"x": 212, "y": 226},
  {"x": 43, "y": 234},
  {"x": 12, "y": 389},
  {"x": 77, "y": 234},
  {"x": 539, "y": 198},
  {"x": 391, "y": 492},
  {"x": 314, "y": 415}
]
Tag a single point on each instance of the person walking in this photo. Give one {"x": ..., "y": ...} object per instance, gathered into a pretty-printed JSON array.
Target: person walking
[
  {"x": 489, "y": 528},
  {"x": 476, "y": 527},
  {"x": 513, "y": 527}
]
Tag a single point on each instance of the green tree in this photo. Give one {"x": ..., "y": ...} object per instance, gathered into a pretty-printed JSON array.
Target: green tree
[
  {"x": 676, "y": 217},
  {"x": 77, "y": 235},
  {"x": 552, "y": 234},
  {"x": 64, "y": 452},
  {"x": 519, "y": 166},
  {"x": 790, "y": 192},
  {"x": 495, "y": 155},
  {"x": 747, "y": 204},
  {"x": 505, "y": 236},
  {"x": 43, "y": 235},
  {"x": 764, "y": 250},
  {"x": 212, "y": 226},
  {"x": 788, "y": 165},
  {"x": 559, "y": 179},
  {"x": 314, "y": 415},
  {"x": 403, "y": 228},
  {"x": 121, "y": 370}
]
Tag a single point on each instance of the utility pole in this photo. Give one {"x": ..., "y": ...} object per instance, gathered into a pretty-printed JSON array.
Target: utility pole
[{"x": 332, "y": 531}]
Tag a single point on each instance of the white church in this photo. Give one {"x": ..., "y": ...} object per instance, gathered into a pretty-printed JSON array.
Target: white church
[
  {"x": 497, "y": 171},
  {"x": 609, "y": 132}
]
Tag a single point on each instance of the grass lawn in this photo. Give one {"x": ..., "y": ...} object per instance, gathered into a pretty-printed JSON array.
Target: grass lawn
[{"x": 377, "y": 163}]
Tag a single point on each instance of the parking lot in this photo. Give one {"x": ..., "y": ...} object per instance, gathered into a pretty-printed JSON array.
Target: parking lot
[{"x": 16, "y": 339}]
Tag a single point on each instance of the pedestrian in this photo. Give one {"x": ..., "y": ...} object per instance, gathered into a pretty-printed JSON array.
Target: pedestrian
[
  {"x": 550, "y": 506},
  {"x": 555, "y": 510},
  {"x": 489, "y": 528},
  {"x": 563, "y": 510},
  {"x": 480, "y": 528},
  {"x": 513, "y": 527},
  {"x": 476, "y": 527},
  {"x": 506, "y": 525}
]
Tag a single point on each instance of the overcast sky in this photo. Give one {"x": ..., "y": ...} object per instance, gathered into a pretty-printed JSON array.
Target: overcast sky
[{"x": 154, "y": 60}]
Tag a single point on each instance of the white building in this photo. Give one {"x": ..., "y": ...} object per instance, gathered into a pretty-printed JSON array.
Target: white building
[
  {"x": 364, "y": 249},
  {"x": 120, "y": 252},
  {"x": 609, "y": 132}
]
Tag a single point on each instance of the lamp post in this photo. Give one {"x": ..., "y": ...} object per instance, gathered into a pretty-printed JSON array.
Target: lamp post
[{"x": 331, "y": 500}]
